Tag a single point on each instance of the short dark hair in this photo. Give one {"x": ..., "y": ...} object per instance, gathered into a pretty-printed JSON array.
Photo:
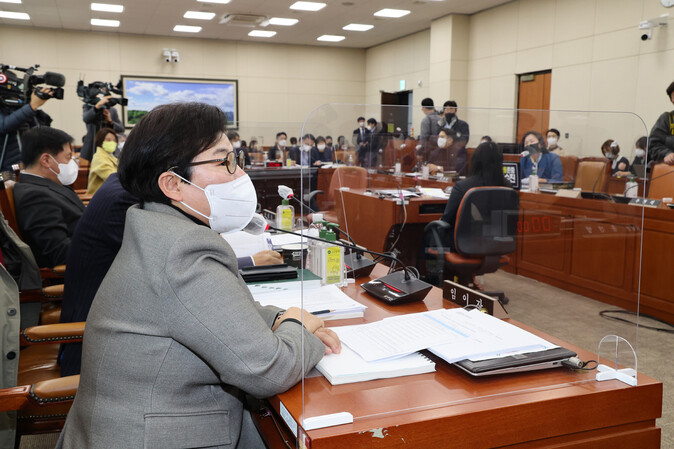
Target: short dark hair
[
  {"x": 670, "y": 89},
  {"x": 169, "y": 136},
  {"x": 486, "y": 138},
  {"x": 487, "y": 163},
  {"x": 642, "y": 142},
  {"x": 309, "y": 136},
  {"x": 328, "y": 137},
  {"x": 320, "y": 139},
  {"x": 360, "y": 118},
  {"x": 293, "y": 140},
  {"x": 279, "y": 134},
  {"x": 244, "y": 144},
  {"x": 39, "y": 140},
  {"x": 427, "y": 103},
  {"x": 100, "y": 136},
  {"x": 231, "y": 135},
  {"x": 554, "y": 131},
  {"x": 450, "y": 104},
  {"x": 372, "y": 120}
]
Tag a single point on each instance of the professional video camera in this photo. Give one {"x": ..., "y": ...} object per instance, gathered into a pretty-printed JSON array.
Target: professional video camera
[
  {"x": 15, "y": 91},
  {"x": 92, "y": 93}
]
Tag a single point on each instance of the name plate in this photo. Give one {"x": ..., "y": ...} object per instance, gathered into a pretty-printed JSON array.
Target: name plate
[{"x": 464, "y": 296}]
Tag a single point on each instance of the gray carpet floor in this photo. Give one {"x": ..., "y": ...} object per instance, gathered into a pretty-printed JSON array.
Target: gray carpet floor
[{"x": 572, "y": 318}]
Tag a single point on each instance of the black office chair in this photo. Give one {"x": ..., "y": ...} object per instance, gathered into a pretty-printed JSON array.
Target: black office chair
[{"x": 484, "y": 235}]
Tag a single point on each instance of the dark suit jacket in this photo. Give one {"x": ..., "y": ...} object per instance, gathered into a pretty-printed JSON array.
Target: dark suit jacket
[
  {"x": 271, "y": 155},
  {"x": 47, "y": 214},
  {"x": 296, "y": 155}
]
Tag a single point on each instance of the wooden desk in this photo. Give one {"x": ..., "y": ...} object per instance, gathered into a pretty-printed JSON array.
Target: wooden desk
[{"x": 448, "y": 408}]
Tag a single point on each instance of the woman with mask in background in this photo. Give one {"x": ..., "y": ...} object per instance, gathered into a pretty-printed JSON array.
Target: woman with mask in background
[
  {"x": 175, "y": 341},
  {"x": 619, "y": 164},
  {"x": 324, "y": 152},
  {"x": 104, "y": 162},
  {"x": 553, "y": 136},
  {"x": 440, "y": 156},
  {"x": 640, "y": 153},
  {"x": 535, "y": 157}
]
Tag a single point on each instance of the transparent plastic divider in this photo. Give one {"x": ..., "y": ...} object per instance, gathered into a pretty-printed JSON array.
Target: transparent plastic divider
[{"x": 584, "y": 245}]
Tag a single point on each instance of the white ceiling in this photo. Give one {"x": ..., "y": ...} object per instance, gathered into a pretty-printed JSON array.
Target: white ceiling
[{"x": 158, "y": 17}]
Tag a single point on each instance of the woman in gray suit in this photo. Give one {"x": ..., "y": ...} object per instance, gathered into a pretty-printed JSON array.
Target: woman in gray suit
[{"x": 174, "y": 339}]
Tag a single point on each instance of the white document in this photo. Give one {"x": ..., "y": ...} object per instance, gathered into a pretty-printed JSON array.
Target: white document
[
  {"x": 489, "y": 337},
  {"x": 245, "y": 244},
  {"x": 316, "y": 298},
  {"x": 285, "y": 239},
  {"x": 398, "y": 336},
  {"x": 434, "y": 193}
]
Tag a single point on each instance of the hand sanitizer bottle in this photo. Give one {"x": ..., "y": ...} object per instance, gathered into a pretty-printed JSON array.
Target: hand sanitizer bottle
[{"x": 285, "y": 215}]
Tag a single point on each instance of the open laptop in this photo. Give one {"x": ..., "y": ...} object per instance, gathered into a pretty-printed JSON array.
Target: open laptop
[
  {"x": 639, "y": 170},
  {"x": 517, "y": 363}
]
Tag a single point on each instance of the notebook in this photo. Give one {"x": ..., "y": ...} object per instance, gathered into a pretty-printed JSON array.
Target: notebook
[
  {"x": 528, "y": 361},
  {"x": 348, "y": 367}
]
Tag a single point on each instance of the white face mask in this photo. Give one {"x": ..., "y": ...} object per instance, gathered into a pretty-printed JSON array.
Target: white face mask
[
  {"x": 370, "y": 128},
  {"x": 442, "y": 142},
  {"x": 640, "y": 152},
  {"x": 232, "y": 204},
  {"x": 321, "y": 147},
  {"x": 282, "y": 143},
  {"x": 552, "y": 141},
  {"x": 236, "y": 144},
  {"x": 67, "y": 172},
  {"x": 306, "y": 147},
  {"x": 483, "y": 141},
  {"x": 361, "y": 124},
  {"x": 609, "y": 156}
]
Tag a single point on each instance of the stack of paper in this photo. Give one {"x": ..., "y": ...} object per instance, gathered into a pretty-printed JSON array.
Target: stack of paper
[
  {"x": 311, "y": 296},
  {"x": 347, "y": 366}
]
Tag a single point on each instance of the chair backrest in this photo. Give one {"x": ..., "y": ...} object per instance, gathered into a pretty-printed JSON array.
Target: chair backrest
[
  {"x": 7, "y": 205},
  {"x": 592, "y": 175},
  {"x": 661, "y": 183},
  {"x": 486, "y": 222},
  {"x": 352, "y": 177},
  {"x": 569, "y": 168}
]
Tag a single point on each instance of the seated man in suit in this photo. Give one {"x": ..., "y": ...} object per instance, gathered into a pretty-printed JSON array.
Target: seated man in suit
[
  {"x": 47, "y": 210},
  {"x": 277, "y": 152}
]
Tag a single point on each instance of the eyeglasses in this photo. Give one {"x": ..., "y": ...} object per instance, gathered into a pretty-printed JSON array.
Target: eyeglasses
[{"x": 230, "y": 161}]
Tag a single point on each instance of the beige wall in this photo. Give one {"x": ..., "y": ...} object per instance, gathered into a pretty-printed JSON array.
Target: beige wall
[{"x": 280, "y": 84}]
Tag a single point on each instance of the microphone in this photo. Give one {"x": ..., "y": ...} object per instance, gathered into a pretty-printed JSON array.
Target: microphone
[
  {"x": 395, "y": 288},
  {"x": 54, "y": 79},
  {"x": 257, "y": 225},
  {"x": 285, "y": 192},
  {"x": 524, "y": 153}
]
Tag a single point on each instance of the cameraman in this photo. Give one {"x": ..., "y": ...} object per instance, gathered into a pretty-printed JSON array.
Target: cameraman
[
  {"x": 97, "y": 117},
  {"x": 12, "y": 122}
]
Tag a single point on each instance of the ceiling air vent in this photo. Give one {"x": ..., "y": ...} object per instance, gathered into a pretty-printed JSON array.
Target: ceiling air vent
[{"x": 242, "y": 20}]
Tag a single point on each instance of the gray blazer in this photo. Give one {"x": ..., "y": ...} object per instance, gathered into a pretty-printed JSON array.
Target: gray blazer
[{"x": 174, "y": 339}]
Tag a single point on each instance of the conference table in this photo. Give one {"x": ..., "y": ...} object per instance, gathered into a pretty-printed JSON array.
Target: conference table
[
  {"x": 449, "y": 408},
  {"x": 592, "y": 247}
]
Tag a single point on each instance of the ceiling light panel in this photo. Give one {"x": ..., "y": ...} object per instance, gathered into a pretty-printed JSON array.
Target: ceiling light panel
[
  {"x": 282, "y": 21},
  {"x": 199, "y": 15},
  {"x": 307, "y": 6},
  {"x": 261, "y": 33},
  {"x": 392, "y": 13},
  {"x": 219, "y": 2},
  {"x": 105, "y": 23},
  {"x": 14, "y": 15},
  {"x": 357, "y": 27},
  {"x": 16, "y": 2},
  {"x": 106, "y": 7},
  {"x": 186, "y": 29},
  {"x": 330, "y": 38}
]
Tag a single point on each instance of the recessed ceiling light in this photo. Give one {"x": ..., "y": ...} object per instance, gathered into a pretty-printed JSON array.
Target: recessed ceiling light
[
  {"x": 106, "y": 7},
  {"x": 105, "y": 22},
  {"x": 357, "y": 27},
  {"x": 186, "y": 29},
  {"x": 14, "y": 15},
  {"x": 394, "y": 13},
  {"x": 220, "y": 2},
  {"x": 11, "y": 1},
  {"x": 260, "y": 33},
  {"x": 330, "y": 38},
  {"x": 307, "y": 6},
  {"x": 199, "y": 15},
  {"x": 282, "y": 21}
]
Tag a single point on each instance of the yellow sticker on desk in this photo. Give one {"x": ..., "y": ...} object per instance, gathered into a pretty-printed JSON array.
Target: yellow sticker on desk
[
  {"x": 333, "y": 266},
  {"x": 287, "y": 219}
]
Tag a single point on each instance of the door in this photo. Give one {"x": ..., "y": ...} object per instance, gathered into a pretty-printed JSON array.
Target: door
[
  {"x": 534, "y": 93},
  {"x": 394, "y": 114}
]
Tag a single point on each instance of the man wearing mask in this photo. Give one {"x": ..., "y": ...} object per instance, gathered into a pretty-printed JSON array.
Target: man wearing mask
[
  {"x": 361, "y": 137},
  {"x": 277, "y": 152},
  {"x": 328, "y": 143},
  {"x": 553, "y": 142},
  {"x": 307, "y": 154},
  {"x": 661, "y": 139},
  {"x": 430, "y": 126},
  {"x": 450, "y": 121},
  {"x": 324, "y": 153},
  {"x": 47, "y": 209},
  {"x": 234, "y": 137}
]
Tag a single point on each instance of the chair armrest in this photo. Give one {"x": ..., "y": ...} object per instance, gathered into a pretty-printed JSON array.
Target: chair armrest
[
  {"x": 52, "y": 333},
  {"x": 311, "y": 195},
  {"x": 50, "y": 293},
  {"x": 55, "y": 272},
  {"x": 60, "y": 389}
]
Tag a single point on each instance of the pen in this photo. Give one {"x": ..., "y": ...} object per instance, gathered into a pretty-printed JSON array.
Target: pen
[{"x": 322, "y": 312}]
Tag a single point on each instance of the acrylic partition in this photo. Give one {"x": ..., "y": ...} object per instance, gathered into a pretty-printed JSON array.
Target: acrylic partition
[{"x": 573, "y": 232}]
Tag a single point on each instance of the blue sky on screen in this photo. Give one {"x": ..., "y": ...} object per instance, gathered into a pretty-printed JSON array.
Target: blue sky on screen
[{"x": 145, "y": 95}]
